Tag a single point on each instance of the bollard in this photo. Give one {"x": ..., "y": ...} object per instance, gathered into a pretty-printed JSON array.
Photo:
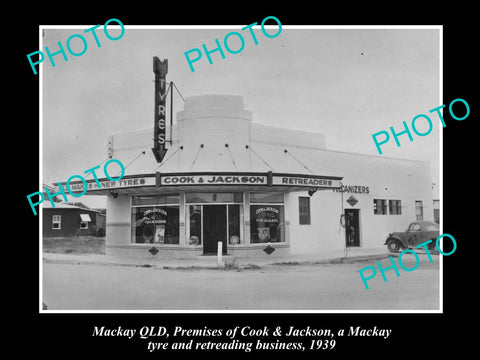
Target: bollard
[{"x": 219, "y": 253}]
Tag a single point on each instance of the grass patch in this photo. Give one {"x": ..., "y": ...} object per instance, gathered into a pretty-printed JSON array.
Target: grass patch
[
  {"x": 75, "y": 245},
  {"x": 188, "y": 268},
  {"x": 230, "y": 266},
  {"x": 236, "y": 267},
  {"x": 286, "y": 263},
  {"x": 251, "y": 267},
  {"x": 226, "y": 267}
]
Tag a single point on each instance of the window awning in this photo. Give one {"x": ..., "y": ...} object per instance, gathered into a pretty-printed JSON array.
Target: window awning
[{"x": 85, "y": 217}]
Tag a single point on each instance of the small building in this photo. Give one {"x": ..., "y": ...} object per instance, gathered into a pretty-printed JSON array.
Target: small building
[
  {"x": 71, "y": 220},
  {"x": 260, "y": 190}
]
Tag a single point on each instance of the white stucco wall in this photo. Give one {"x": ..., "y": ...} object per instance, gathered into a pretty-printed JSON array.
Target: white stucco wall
[
  {"x": 118, "y": 221},
  {"x": 389, "y": 179}
]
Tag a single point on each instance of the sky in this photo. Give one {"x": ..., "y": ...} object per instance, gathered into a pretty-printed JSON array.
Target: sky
[{"x": 345, "y": 83}]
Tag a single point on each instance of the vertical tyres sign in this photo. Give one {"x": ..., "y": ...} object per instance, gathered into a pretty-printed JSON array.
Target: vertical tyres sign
[{"x": 160, "y": 68}]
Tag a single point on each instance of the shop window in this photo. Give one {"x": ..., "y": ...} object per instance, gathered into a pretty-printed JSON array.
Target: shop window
[
  {"x": 266, "y": 223},
  {"x": 56, "y": 222},
  {"x": 157, "y": 223},
  {"x": 419, "y": 210},
  {"x": 83, "y": 224},
  {"x": 379, "y": 206},
  {"x": 304, "y": 210},
  {"x": 194, "y": 224},
  {"x": 266, "y": 218},
  {"x": 395, "y": 207},
  {"x": 235, "y": 215}
]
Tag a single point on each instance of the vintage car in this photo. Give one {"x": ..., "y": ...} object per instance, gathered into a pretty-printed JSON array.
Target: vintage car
[{"x": 417, "y": 233}]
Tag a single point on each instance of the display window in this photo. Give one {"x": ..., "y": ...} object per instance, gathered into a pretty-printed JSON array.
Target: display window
[
  {"x": 157, "y": 223},
  {"x": 266, "y": 219}
]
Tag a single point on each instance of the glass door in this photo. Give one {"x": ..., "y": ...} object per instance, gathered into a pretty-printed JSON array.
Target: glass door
[{"x": 213, "y": 217}]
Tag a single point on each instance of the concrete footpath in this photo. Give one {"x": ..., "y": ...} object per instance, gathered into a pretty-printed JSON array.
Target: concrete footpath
[{"x": 228, "y": 261}]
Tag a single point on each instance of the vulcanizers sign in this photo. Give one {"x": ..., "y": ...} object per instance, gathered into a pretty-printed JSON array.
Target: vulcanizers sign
[{"x": 354, "y": 189}]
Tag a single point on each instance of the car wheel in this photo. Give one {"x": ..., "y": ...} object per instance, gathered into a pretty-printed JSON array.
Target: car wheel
[
  {"x": 433, "y": 249},
  {"x": 393, "y": 246}
]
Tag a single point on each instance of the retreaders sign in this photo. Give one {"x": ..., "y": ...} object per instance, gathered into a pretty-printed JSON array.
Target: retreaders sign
[{"x": 306, "y": 180}]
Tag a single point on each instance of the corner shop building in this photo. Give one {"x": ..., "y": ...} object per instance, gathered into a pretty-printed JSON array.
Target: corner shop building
[{"x": 260, "y": 190}]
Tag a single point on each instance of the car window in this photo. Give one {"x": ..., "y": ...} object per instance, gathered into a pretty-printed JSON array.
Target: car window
[{"x": 414, "y": 227}]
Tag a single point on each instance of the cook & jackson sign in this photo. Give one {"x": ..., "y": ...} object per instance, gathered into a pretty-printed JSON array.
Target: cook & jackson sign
[{"x": 220, "y": 179}]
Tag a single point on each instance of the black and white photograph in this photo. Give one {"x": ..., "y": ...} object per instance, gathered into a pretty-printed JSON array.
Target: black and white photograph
[
  {"x": 259, "y": 184},
  {"x": 249, "y": 177}
]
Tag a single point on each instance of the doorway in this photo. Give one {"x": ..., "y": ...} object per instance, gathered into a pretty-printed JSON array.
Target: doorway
[
  {"x": 352, "y": 227},
  {"x": 214, "y": 228}
]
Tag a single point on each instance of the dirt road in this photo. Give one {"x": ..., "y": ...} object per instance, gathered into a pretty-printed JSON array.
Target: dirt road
[{"x": 297, "y": 287}]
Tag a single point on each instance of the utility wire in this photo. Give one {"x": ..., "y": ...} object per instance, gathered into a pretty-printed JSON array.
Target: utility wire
[
  {"x": 88, "y": 174},
  {"x": 231, "y": 156},
  {"x": 125, "y": 167},
  {"x": 108, "y": 157},
  {"x": 305, "y": 166},
  {"x": 163, "y": 162},
  {"x": 248, "y": 147},
  {"x": 194, "y": 160}
]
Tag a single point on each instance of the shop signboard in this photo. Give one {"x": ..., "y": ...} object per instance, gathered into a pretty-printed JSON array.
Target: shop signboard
[
  {"x": 267, "y": 179},
  {"x": 306, "y": 181},
  {"x": 212, "y": 179},
  {"x": 353, "y": 189},
  {"x": 78, "y": 187}
]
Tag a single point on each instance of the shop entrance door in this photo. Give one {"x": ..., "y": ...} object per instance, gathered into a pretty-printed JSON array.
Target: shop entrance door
[
  {"x": 352, "y": 227},
  {"x": 214, "y": 228}
]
